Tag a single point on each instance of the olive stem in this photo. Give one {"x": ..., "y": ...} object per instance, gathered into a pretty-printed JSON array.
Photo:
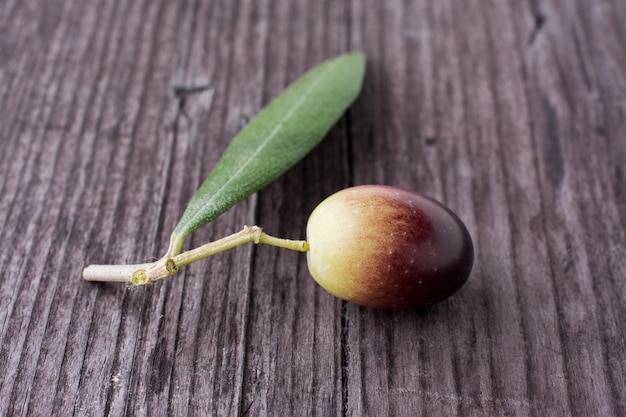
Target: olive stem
[{"x": 140, "y": 274}]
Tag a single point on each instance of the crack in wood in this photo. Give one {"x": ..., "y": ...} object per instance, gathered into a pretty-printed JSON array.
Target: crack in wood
[
  {"x": 540, "y": 22},
  {"x": 183, "y": 92}
]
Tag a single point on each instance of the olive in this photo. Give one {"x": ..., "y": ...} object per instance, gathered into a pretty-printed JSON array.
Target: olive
[{"x": 387, "y": 247}]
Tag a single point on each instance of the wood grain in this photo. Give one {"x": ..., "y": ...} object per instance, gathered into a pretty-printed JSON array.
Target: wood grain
[{"x": 511, "y": 112}]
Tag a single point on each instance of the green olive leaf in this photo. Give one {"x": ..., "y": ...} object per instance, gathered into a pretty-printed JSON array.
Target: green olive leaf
[{"x": 280, "y": 135}]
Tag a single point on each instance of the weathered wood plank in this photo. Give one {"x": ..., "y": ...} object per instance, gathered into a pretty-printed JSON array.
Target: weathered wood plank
[{"x": 513, "y": 113}]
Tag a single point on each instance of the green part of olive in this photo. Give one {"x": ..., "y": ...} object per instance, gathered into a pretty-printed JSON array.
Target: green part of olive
[{"x": 387, "y": 247}]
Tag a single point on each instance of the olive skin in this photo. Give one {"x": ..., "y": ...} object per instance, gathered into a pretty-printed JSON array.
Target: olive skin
[{"x": 386, "y": 247}]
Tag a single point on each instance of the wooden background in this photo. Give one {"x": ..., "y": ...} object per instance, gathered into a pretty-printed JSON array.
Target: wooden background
[{"x": 511, "y": 112}]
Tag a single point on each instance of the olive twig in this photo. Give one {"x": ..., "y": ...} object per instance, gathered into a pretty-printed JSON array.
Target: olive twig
[{"x": 140, "y": 274}]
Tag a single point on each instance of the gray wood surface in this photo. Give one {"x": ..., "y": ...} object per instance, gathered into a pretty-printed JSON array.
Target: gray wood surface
[{"x": 511, "y": 112}]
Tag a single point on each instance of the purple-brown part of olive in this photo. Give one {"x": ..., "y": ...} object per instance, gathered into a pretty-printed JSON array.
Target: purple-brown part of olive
[{"x": 387, "y": 247}]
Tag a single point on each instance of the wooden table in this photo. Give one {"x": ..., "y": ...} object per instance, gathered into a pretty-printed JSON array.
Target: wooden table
[{"x": 511, "y": 112}]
